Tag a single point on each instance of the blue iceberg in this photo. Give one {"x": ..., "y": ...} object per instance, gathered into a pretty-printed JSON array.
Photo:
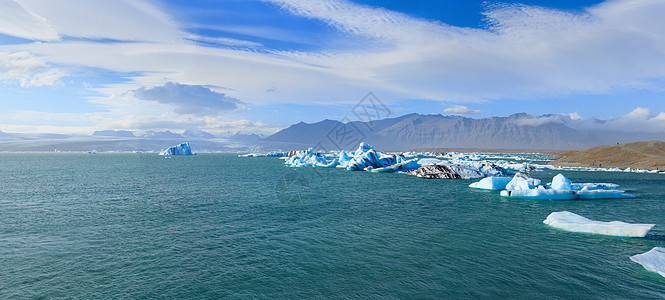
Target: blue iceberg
[{"x": 182, "y": 149}]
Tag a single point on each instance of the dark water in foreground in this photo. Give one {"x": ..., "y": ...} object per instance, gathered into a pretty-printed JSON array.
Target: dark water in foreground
[{"x": 219, "y": 226}]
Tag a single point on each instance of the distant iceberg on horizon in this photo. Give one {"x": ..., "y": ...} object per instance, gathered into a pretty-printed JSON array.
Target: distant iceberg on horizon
[{"x": 182, "y": 149}]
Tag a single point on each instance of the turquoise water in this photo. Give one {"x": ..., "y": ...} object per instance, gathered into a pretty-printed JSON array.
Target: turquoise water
[{"x": 219, "y": 226}]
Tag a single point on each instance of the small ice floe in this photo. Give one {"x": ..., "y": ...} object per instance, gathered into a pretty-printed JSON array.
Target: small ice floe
[
  {"x": 182, "y": 149},
  {"x": 653, "y": 261},
  {"x": 492, "y": 183},
  {"x": 525, "y": 187},
  {"x": 572, "y": 222}
]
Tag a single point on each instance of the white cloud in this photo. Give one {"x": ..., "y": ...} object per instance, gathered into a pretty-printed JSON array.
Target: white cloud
[
  {"x": 639, "y": 120},
  {"x": 574, "y": 116},
  {"x": 16, "y": 21},
  {"x": 28, "y": 70},
  {"x": 527, "y": 52},
  {"x": 461, "y": 110},
  {"x": 123, "y": 20}
]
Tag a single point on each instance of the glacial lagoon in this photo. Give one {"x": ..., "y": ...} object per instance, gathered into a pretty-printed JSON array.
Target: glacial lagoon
[{"x": 222, "y": 226}]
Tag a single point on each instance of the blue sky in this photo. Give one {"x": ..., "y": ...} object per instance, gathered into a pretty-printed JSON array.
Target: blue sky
[{"x": 258, "y": 66}]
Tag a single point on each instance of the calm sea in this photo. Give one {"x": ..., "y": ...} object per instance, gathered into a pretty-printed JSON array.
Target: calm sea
[{"x": 219, "y": 226}]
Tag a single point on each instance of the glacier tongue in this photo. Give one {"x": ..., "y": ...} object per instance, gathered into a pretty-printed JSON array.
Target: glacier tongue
[
  {"x": 572, "y": 222},
  {"x": 182, "y": 149},
  {"x": 654, "y": 260}
]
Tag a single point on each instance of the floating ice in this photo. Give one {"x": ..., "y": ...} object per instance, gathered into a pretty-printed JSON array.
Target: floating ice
[
  {"x": 522, "y": 181},
  {"x": 523, "y": 186},
  {"x": 310, "y": 158},
  {"x": 572, "y": 222},
  {"x": 491, "y": 183},
  {"x": 560, "y": 182},
  {"x": 182, "y": 149},
  {"x": 654, "y": 260},
  {"x": 438, "y": 172}
]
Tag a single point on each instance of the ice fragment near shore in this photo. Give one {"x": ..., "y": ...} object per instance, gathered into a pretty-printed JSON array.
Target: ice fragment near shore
[{"x": 572, "y": 222}]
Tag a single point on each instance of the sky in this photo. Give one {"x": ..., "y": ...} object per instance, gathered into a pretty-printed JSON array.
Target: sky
[{"x": 75, "y": 66}]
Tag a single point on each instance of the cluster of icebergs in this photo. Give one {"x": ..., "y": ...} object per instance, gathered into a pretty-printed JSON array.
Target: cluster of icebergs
[
  {"x": 494, "y": 177},
  {"x": 653, "y": 260},
  {"x": 561, "y": 188},
  {"x": 365, "y": 158}
]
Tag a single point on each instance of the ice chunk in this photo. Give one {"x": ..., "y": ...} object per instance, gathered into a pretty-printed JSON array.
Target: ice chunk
[
  {"x": 540, "y": 193},
  {"x": 366, "y": 158},
  {"x": 310, "y": 158},
  {"x": 403, "y": 167},
  {"x": 182, "y": 149},
  {"x": 448, "y": 171},
  {"x": 522, "y": 181},
  {"x": 429, "y": 161},
  {"x": 586, "y": 193},
  {"x": 572, "y": 222},
  {"x": 654, "y": 260},
  {"x": 560, "y": 182},
  {"x": 491, "y": 183}
]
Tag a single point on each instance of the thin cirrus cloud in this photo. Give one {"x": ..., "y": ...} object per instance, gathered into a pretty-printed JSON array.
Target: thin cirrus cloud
[{"x": 189, "y": 99}]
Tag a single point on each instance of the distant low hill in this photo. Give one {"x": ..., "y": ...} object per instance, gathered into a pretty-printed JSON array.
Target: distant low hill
[
  {"x": 518, "y": 131},
  {"x": 638, "y": 155}
]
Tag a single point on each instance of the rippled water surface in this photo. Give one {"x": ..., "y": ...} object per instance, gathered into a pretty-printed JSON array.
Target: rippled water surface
[{"x": 219, "y": 226}]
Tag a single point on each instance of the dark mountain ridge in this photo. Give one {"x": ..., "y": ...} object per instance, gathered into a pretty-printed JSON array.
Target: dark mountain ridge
[{"x": 517, "y": 131}]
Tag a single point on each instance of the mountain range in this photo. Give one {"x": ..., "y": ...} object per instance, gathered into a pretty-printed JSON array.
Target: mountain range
[{"x": 518, "y": 131}]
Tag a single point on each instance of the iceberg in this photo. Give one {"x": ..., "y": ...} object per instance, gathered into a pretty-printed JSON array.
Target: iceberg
[
  {"x": 435, "y": 171},
  {"x": 572, "y": 222},
  {"x": 310, "y": 158},
  {"x": 522, "y": 181},
  {"x": 561, "y": 188},
  {"x": 366, "y": 158},
  {"x": 653, "y": 261},
  {"x": 491, "y": 183},
  {"x": 182, "y": 149},
  {"x": 403, "y": 167}
]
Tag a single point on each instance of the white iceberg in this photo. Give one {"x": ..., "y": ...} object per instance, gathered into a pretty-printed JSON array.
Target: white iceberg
[
  {"x": 525, "y": 187},
  {"x": 522, "y": 181},
  {"x": 182, "y": 149},
  {"x": 653, "y": 261},
  {"x": 572, "y": 222},
  {"x": 491, "y": 183}
]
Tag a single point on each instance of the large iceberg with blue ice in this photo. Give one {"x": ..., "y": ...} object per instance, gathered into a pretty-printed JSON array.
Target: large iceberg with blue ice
[
  {"x": 654, "y": 260},
  {"x": 561, "y": 188},
  {"x": 572, "y": 222},
  {"x": 182, "y": 149}
]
